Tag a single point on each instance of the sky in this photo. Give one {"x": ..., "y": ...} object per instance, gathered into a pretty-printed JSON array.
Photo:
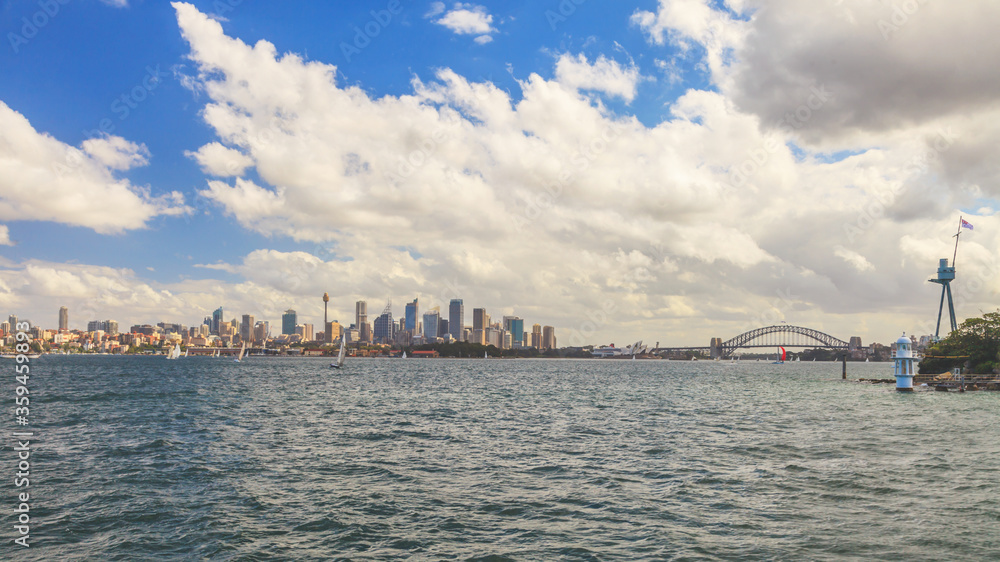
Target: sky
[{"x": 667, "y": 171}]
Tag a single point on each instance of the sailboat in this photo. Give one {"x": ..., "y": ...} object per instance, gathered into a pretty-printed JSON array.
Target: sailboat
[
  {"x": 782, "y": 360},
  {"x": 186, "y": 352},
  {"x": 243, "y": 350},
  {"x": 175, "y": 352},
  {"x": 340, "y": 356},
  {"x": 485, "y": 355},
  {"x": 404, "y": 355}
]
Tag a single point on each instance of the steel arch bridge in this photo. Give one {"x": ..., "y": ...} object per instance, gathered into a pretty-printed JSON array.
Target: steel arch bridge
[{"x": 782, "y": 335}]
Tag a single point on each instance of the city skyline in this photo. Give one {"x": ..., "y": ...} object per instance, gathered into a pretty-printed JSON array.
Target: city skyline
[{"x": 674, "y": 170}]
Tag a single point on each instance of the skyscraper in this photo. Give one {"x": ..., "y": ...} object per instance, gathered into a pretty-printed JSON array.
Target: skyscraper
[
  {"x": 288, "y": 321},
  {"x": 326, "y": 333},
  {"x": 361, "y": 320},
  {"x": 515, "y": 326},
  {"x": 431, "y": 324},
  {"x": 63, "y": 319},
  {"x": 216, "y": 320},
  {"x": 412, "y": 309},
  {"x": 246, "y": 328},
  {"x": 480, "y": 322},
  {"x": 384, "y": 326},
  {"x": 548, "y": 337},
  {"x": 536, "y": 336},
  {"x": 456, "y": 318}
]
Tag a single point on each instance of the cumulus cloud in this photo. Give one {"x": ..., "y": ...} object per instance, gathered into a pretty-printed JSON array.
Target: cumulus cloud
[
  {"x": 44, "y": 179},
  {"x": 545, "y": 199},
  {"x": 604, "y": 75},
  {"x": 218, "y": 160},
  {"x": 465, "y": 19},
  {"x": 5, "y": 236}
]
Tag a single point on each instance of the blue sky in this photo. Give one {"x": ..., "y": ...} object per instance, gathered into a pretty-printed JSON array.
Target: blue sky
[
  {"x": 650, "y": 217},
  {"x": 73, "y": 74}
]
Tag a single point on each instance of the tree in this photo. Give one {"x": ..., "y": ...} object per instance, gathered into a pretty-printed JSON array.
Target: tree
[{"x": 975, "y": 344}]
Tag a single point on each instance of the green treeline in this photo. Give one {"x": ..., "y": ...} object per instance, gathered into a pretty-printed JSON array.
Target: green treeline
[{"x": 975, "y": 345}]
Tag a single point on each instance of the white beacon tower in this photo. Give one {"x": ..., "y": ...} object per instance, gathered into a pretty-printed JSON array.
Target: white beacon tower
[{"x": 904, "y": 364}]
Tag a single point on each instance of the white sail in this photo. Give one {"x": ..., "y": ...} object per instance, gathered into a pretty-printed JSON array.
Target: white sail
[
  {"x": 243, "y": 350},
  {"x": 340, "y": 356},
  {"x": 404, "y": 355},
  {"x": 175, "y": 352}
]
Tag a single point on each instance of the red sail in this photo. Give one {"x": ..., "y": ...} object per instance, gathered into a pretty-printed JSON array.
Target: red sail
[{"x": 782, "y": 354}]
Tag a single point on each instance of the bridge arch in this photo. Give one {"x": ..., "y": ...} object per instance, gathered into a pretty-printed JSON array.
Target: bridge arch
[{"x": 783, "y": 335}]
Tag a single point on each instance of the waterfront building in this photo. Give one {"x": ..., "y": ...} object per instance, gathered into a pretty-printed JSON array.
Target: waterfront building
[
  {"x": 548, "y": 337},
  {"x": 304, "y": 331},
  {"x": 216, "y": 320},
  {"x": 412, "y": 309},
  {"x": 260, "y": 332},
  {"x": 288, "y": 321},
  {"x": 515, "y": 326},
  {"x": 333, "y": 330},
  {"x": 456, "y": 319},
  {"x": 247, "y": 329},
  {"x": 361, "y": 318},
  {"x": 536, "y": 336},
  {"x": 480, "y": 322},
  {"x": 431, "y": 324},
  {"x": 63, "y": 319}
]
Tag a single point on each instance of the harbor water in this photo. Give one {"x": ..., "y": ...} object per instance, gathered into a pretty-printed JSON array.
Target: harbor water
[{"x": 140, "y": 458}]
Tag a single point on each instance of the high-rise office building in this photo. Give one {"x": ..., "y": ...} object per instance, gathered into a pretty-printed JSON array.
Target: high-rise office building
[
  {"x": 111, "y": 327},
  {"x": 216, "y": 320},
  {"x": 260, "y": 332},
  {"x": 412, "y": 309},
  {"x": 384, "y": 329},
  {"x": 288, "y": 321},
  {"x": 246, "y": 328},
  {"x": 360, "y": 313},
  {"x": 548, "y": 337},
  {"x": 480, "y": 323},
  {"x": 515, "y": 326},
  {"x": 12, "y": 320},
  {"x": 443, "y": 329},
  {"x": 456, "y": 318},
  {"x": 63, "y": 319},
  {"x": 536, "y": 336},
  {"x": 361, "y": 321},
  {"x": 432, "y": 324}
]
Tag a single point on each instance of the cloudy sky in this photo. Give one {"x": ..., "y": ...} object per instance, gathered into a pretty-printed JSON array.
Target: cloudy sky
[{"x": 668, "y": 171}]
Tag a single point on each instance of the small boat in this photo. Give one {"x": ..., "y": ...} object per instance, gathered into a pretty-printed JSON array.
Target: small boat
[
  {"x": 243, "y": 351},
  {"x": 340, "y": 356},
  {"x": 175, "y": 353},
  {"x": 780, "y": 361},
  {"x": 404, "y": 355}
]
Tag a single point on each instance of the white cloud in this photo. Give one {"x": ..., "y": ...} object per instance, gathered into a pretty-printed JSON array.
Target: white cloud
[
  {"x": 5, "y": 236},
  {"x": 856, "y": 260},
  {"x": 436, "y": 9},
  {"x": 218, "y": 160},
  {"x": 116, "y": 3},
  {"x": 44, "y": 179},
  {"x": 547, "y": 200},
  {"x": 465, "y": 19},
  {"x": 604, "y": 75}
]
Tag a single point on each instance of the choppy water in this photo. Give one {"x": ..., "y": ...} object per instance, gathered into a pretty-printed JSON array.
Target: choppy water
[{"x": 201, "y": 458}]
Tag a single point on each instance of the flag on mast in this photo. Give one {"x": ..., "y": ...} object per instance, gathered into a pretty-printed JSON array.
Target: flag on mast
[{"x": 967, "y": 224}]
